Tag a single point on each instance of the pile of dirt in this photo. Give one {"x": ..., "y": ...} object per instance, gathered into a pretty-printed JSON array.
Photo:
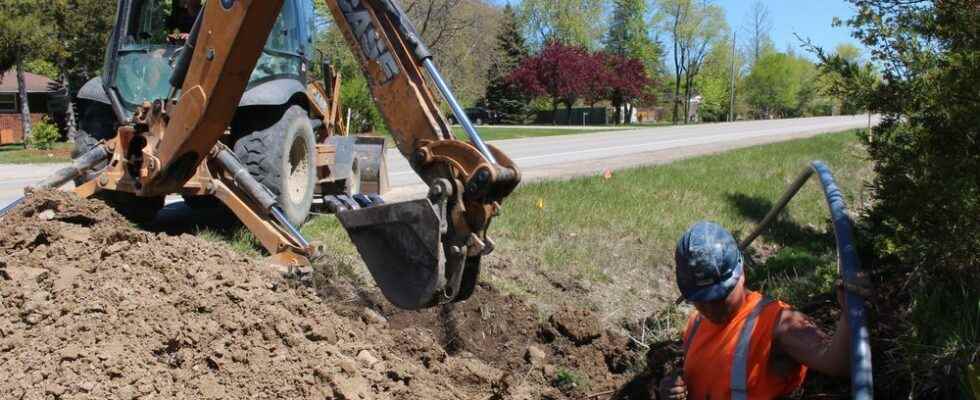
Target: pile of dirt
[{"x": 92, "y": 308}]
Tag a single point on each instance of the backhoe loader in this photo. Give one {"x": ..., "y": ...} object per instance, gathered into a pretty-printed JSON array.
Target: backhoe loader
[
  {"x": 288, "y": 129},
  {"x": 421, "y": 253}
]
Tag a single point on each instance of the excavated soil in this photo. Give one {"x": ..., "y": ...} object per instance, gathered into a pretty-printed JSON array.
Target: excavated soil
[
  {"x": 568, "y": 354},
  {"x": 93, "y": 308}
]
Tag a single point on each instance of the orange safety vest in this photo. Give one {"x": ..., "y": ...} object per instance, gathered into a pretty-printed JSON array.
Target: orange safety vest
[{"x": 732, "y": 361}]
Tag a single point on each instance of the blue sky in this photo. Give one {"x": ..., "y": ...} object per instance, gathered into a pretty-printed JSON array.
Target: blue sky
[{"x": 807, "y": 18}]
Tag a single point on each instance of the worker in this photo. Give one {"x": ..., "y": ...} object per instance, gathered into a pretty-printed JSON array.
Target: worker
[
  {"x": 739, "y": 344},
  {"x": 182, "y": 19}
]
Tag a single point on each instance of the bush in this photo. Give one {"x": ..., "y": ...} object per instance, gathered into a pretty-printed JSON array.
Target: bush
[
  {"x": 44, "y": 135},
  {"x": 365, "y": 116},
  {"x": 923, "y": 226}
]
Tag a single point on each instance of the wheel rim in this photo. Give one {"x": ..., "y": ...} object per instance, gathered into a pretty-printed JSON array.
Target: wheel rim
[{"x": 299, "y": 170}]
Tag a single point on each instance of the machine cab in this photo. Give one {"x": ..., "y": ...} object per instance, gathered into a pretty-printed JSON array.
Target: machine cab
[{"x": 149, "y": 34}]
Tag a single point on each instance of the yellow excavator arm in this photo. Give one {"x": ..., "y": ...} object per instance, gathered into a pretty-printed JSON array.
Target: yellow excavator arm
[{"x": 421, "y": 253}]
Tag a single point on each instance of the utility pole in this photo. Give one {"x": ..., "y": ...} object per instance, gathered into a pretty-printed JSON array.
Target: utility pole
[{"x": 731, "y": 108}]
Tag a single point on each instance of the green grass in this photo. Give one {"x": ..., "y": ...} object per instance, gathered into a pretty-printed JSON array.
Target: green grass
[
  {"x": 502, "y": 132},
  {"x": 619, "y": 234},
  {"x": 568, "y": 380},
  {"x": 240, "y": 239},
  {"x": 17, "y": 154}
]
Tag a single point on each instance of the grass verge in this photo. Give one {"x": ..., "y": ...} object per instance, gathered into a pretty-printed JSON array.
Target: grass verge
[{"x": 17, "y": 154}]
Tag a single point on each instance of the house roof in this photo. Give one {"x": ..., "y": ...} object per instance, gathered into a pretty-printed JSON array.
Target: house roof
[{"x": 35, "y": 83}]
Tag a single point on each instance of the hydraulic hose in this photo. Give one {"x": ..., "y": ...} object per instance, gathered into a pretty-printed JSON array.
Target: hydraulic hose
[
  {"x": 258, "y": 192},
  {"x": 862, "y": 386},
  {"x": 184, "y": 60},
  {"x": 78, "y": 167}
]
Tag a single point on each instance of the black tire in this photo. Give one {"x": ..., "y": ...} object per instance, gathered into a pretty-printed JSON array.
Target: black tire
[
  {"x": 97, "y": 124},
  {"x": 203, "y": 202},
  {"x": 140, "y": 210},
  {"x": 282, "y": 157}
]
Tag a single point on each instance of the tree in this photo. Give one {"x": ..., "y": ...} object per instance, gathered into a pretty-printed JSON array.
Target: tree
[
  {"x": 773, "y": 85},
  {"x": 921, "y": 230},
  {"x": 467, "y": 42},
  {"x": 715, "y": 81},
  {"x": 82, "y": 31},
  {"x": 627, "y": 82},
  {"x": 694, "y": 25},
  {"x": 757, "y": 30},
  {"x": 860, "y": 71},
  {"x": 354, "y": 92},
  {"x": 570, "y": 22},
  {"x": 628, "y": 38},
  {"x": 24, "y": 34},
  {"x": 437, "y": 21},
  {"x": 598, "y": 86},
  {"x": 559, "y": 72},
  {"x": 502, "y": 95},
  {"x": 848, "y": 53}
]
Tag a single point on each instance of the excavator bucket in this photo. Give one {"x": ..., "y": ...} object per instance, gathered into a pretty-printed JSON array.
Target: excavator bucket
[{"x": 400, "y": 243}]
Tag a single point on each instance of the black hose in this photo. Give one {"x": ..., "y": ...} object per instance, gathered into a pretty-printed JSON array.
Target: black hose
[
  {"x": 180, "y": 69},
  {"x": 258, "y": 192},
  {"x": 78, "y": 166},
  {"x": 60, "y": 177}
]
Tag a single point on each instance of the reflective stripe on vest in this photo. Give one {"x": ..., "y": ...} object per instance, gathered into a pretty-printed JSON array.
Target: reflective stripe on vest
[{"x": 739, "y": 375}]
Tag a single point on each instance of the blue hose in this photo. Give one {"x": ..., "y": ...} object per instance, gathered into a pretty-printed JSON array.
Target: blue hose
[{"x": 861, "y": 379}]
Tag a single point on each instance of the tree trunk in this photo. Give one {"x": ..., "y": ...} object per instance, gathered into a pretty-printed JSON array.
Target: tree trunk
[
  {"x": 687, "y": 104},
  {"x": 70, "y": 111},
  {"x": 628, "y": 114},
  {"x": 554, "y": 112},
  {"x": 617, "y": 104},
  {"x": 25, "y": 110},
  {"x": 677, "y": 93},
  {"x": 568, "y": 113}
]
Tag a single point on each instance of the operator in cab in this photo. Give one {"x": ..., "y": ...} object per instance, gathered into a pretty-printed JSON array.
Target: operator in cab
[
  {"x": 182, "y": 18},
  {"x": 739, "y": 344}
]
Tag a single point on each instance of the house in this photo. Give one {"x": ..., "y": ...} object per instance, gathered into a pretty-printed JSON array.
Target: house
[{"x": 43, "y": 98}]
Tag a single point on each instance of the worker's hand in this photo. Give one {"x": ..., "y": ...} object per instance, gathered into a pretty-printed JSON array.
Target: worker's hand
[
  {"x": 177, "y": 38},
  {"x": 861, "y": 286},
  {"x": 672, "y": 387}
]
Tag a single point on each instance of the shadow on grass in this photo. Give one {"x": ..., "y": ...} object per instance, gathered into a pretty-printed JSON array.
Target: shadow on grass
[
  {"x": 794, "y": 257},
  {"x": 783, "y": 232},
  {"x": 213, "y": 222}
]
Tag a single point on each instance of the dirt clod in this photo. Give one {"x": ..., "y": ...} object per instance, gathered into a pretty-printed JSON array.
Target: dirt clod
[
  {"x": 534, "y": 355},
  {"x": 581, "y": 326}
]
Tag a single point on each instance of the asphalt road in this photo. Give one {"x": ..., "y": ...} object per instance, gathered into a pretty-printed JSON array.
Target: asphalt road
[{"x": 554, "y": 157}]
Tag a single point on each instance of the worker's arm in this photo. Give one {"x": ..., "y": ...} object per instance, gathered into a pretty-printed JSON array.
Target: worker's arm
[{"x": 800, "y": 338}]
